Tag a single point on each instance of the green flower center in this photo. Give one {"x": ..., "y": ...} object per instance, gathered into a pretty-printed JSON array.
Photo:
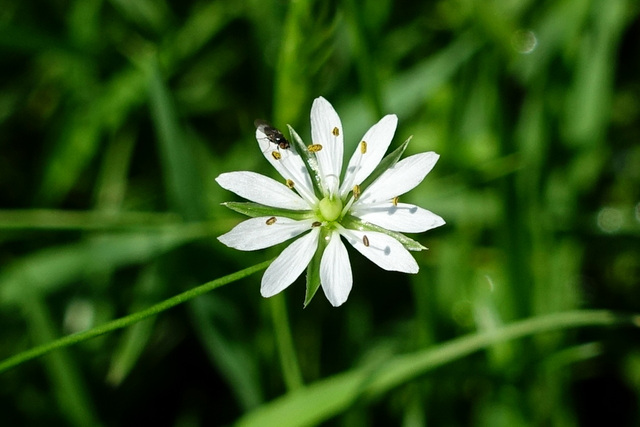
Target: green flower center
[{"x": 329, "y": 208}]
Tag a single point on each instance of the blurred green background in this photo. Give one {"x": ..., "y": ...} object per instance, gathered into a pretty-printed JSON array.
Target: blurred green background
[{"x": 116, "y": 116}]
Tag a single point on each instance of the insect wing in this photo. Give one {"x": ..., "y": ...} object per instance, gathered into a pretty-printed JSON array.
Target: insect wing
[
  {"x": 262, "y": 126},
  {"x": 271, "y": 133}
]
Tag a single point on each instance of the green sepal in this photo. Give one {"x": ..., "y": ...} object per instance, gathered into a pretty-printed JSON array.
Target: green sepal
[
  {"x": 388, "y": 162},
  {"x": 255, "y": 210},
  {"x": 309, "y": 160},
  {"x": 313, "y": 269},
  {"x": 353, "y": 223}
]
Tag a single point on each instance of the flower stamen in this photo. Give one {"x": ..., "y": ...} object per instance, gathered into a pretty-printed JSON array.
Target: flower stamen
[
  {"x": 335, "y": 131},
  {"x": 284, "y": 164},
  {"x": 365, "y": 240},
  {"x": 395, "y": 201},
  {"x": 352, "y": 173},
  {"x": 271, "y": 220},
  {"x": 356, "y": 192},
  {"x": 314, "y": 148},
  {"x": 347, "y": 206}
]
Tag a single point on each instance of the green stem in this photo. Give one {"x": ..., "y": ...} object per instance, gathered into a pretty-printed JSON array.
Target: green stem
[
  {"x": 129, "y": 320},
  {"x": 288, "y": 359}
]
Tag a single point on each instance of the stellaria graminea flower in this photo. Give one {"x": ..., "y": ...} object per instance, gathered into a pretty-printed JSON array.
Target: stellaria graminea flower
[{"x": 363, "y": 208}]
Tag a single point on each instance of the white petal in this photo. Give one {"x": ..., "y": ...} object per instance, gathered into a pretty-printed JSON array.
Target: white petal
[
  {"x": 289, "y": 166},
  {"x": 326, "y": 130},
  {"x": 404, "y": 217},
  {"x": 377, "y": 141},
  {"x": 262, "y": 232},
  {"x": 382, "y": 249},
  {"x": 290, "y": 264},
  {"x": 261, "y": 189},
  {"x": 335, "y": 271},
  {"x": 404, "y": 176}
]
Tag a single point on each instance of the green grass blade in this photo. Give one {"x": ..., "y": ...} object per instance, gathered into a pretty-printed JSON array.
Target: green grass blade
[
  {"x": 181, "y": 170},
  {"x": 328, "y": 397},
  {"x": 236, "y": 363},
  {"x": 66, "y": 382},
  {"x": 51, "y": 269},
  {"x": 133, "y": 341}
]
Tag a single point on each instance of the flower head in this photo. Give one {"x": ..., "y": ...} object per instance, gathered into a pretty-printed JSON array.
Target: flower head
[{"x": 314, "y": 203}]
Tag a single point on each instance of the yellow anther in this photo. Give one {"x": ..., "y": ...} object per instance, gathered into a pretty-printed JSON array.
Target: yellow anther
[
  {"x": 316, "y": 224},
  {"x": 395, "y": 201},
  {"x": 290, "y": 183},
  {"x": 314, "y": 148},
  {"x": 365, "y": 240},
  {"x": 356, "y": 192},
  {"x": 335, "y": 131},
  {"x": 276, "y": 155},
  {"x": 363, "y": 147},
  {"x": 271, "y": 220}
]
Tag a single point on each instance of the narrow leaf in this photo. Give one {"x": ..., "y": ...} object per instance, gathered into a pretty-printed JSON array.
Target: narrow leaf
[
  {"x": 354, "y": 223},
  {"x": 389, "y": 161},
  {"x": 180, "y": 166},
  {"x": 313, "y": 270},
  {"x": 255, "y": 210}
]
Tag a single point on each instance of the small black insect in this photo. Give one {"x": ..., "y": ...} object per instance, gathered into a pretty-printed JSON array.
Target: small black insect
[{"x": 273, "y": 134}]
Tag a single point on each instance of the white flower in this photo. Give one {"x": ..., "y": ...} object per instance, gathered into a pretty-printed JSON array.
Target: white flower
[{"x": 313, "y": 202}]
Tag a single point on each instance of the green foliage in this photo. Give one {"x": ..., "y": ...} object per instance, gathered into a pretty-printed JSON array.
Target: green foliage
[{"x": 116, "y": 116}]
